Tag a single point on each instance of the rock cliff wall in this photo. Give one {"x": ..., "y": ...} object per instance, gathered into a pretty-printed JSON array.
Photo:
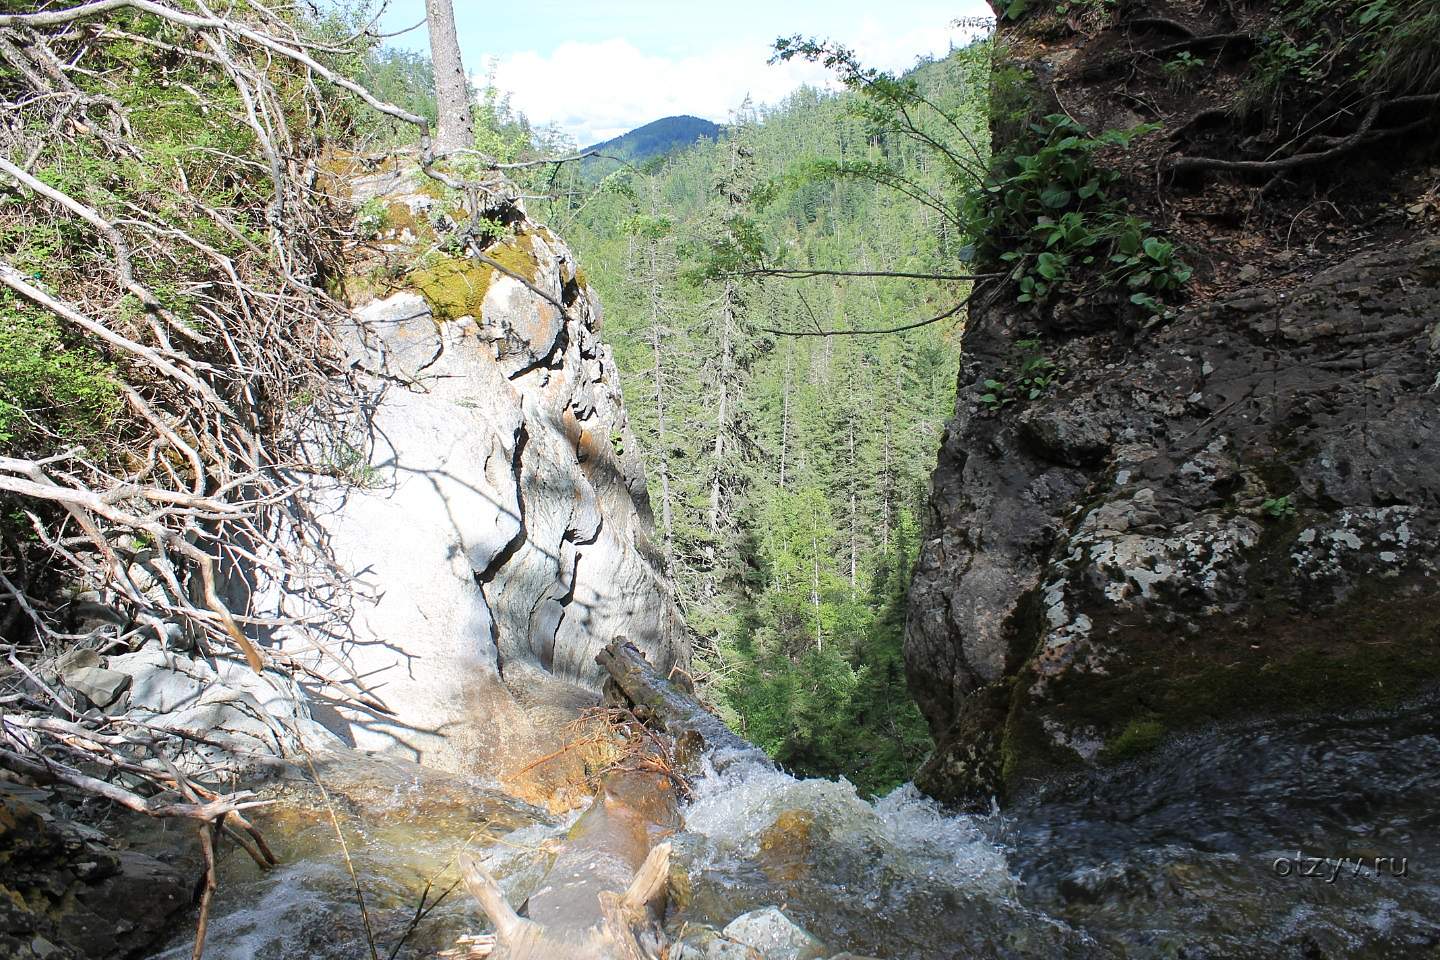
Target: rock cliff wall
[
  {"x": 1227, "y": 510},
  {"x": 488, "y": 499}
]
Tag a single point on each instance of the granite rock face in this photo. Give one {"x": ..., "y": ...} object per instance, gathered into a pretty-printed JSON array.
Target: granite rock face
[
  {"x": 1233, "y": 513},
  {"x": 490, "y": 505}
]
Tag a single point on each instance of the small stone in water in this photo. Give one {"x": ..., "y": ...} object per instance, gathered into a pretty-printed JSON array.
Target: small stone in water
[{"x": 775, "y": 935}]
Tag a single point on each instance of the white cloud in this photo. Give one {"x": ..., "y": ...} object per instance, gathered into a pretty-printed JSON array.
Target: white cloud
[{"x": 595, "y": 91}]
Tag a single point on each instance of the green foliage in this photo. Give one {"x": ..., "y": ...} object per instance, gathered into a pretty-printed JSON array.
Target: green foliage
[
  {"x": 646, "y": 144},
  {"x": 824, "y": 444},
  {"x": 371, "y": 217},
  {"x": 350, "y": 462},
  {"x": 1035, "y": 374},
  {"x": 1047, "y": 210},
  {"x": 1017, "y": 9},
  {"x": 1181, "y": 68},
  {"x": 838, "y": 707},
  {"x": 500, "y": 131},
  {"x": 402, "y": 77},
  {"x": 1346, "y": 49},
  {"x": 51, "y": 391},
  {"x": 491, "y": 229},
  {"x": 1278, "y": 508},
  {"x": 1139, "y": 736},
  {"x": 947, "y": 124}
]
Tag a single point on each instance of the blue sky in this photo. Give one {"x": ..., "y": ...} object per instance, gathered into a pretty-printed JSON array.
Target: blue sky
[{"x": 598, "y": 69}]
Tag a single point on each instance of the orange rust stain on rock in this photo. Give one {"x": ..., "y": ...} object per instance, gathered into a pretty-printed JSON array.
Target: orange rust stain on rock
[{"x": 786, "y": 846}]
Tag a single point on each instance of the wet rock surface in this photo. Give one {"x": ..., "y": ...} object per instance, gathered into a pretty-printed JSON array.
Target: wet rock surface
[
  {"x": 66, "y": 893},
  {"x": 1237, "y": 512},
  {"x": 1289, "y": 838},
  {"x": 774, "y": 935}
]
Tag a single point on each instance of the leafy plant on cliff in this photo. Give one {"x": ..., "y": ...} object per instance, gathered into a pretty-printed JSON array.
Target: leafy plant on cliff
[
  {"x": 1279, "y": 508},
  {"x": 1323, "y": 81},
  {"x": 1035, "y": 374},
  {"x": 1047, "y": 210},
  {"x": 1344, "y": 46}
]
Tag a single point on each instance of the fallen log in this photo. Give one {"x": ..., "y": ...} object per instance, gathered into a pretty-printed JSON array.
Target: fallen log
[
  {"x": 603, "y": 897},
  {"x": 660, "y": 701}
]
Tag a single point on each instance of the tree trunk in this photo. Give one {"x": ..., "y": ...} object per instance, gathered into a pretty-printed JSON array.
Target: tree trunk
[
  {"x": 656, "y": 346},
  {"x": 815, "y": 588},
  {"x": 722, "y": 409},
  {"x": 854, "y": 519},
  {"x": 885, "y": 486},
  {"x": 452, "y": 94},
  {"x": 785, "y": 411},
  {"x": 667, "y": 704}
]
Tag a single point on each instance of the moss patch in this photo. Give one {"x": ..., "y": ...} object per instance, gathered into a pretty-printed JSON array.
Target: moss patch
[
  {"x": 517, "y": 256},
  {"x": 1140, "y": 736},
  {"x": 399, "y": 217},
  {"x": 455, "y": 287},
  {"x": 1026, "y": 751},
  {"x": 1375, "y": 650}
]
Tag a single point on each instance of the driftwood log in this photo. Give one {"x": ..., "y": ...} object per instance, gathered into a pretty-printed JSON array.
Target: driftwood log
[
  {"x": 667, "y": 705},
  {"x": 603, "y": 898}
]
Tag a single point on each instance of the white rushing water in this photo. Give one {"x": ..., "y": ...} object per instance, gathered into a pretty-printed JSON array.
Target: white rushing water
[{"x": 903, "y": 833}]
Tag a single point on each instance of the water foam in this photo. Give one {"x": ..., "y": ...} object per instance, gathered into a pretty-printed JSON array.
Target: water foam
[{"x": 904, "y": 832}]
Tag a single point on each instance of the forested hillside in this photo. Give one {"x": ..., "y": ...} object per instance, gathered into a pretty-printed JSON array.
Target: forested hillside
[
  {"x": 786, "y": 467},
  {"x": 788, "y": 405},
  {"x": 658, "y": 138}
]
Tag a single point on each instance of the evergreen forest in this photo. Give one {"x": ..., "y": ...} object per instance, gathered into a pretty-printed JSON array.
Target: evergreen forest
[
  {"x": 788, "y": 452},
  {"x": 782, "y": 310}
]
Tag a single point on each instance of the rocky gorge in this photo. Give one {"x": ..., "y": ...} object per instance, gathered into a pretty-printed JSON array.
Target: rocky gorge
[{"x": 1173, "y": 625}]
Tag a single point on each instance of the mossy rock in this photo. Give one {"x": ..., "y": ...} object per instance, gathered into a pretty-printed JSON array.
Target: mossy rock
[
  {"x": 517, "y": 257},
  {"x": 455, "y": 287},
  {"x": 1376, "y": 650},
  {"x": 1140, "y": 736},
  {"x": 399, "y": 217}
]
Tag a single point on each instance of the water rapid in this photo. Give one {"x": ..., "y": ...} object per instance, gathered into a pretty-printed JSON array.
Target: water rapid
[{"x": 1182, "y": 855}]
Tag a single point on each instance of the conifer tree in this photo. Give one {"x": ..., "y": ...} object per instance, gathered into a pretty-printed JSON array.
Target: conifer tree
[{"x": 454, "y": 130}]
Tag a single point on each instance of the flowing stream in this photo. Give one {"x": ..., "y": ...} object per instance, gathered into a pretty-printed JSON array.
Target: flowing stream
[{"x": 1199, "y": 851}]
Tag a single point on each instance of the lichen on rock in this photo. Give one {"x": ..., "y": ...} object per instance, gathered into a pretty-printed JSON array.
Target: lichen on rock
[{"x": 1187, "y": 540}]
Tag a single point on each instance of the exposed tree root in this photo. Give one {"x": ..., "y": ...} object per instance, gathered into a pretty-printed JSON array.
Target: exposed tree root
[{"x": 1183, "y": 165}]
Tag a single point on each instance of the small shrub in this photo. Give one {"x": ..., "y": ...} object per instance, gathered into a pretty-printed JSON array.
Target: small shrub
[
  {"x": 1181, "y": 68},
  {"x": 1139, "y": 736},
  {"x": 1035, "y": 374},
  {"x": 371, "y": 218},
  {"x": 49, "y": 387},
  {"x": 1278, "y": 508},
  {"x": 1049, "y": 214}
]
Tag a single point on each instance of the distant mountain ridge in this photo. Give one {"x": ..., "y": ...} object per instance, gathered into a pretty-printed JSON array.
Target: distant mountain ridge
[{"x": 655, "y": 139}]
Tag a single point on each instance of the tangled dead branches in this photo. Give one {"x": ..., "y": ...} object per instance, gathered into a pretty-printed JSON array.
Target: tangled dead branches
[
  {"x": 172, "y": 368},
  {"x": 210, "y": 310},
  {"x": 166, "y": 341}
]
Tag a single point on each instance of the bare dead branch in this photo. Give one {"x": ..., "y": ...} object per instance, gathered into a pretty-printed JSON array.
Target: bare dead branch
[
  {"x": 802, "y": 273},
  {"x": 952, "y": 312}
]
